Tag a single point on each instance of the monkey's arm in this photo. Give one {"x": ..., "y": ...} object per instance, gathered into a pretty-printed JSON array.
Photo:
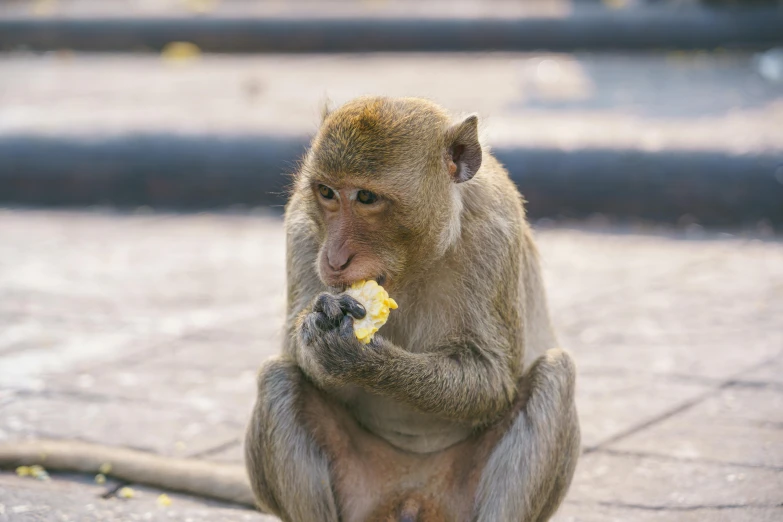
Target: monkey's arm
[
  {"x": 461, "y": 381},
  {"x": 227, "y": 482}
]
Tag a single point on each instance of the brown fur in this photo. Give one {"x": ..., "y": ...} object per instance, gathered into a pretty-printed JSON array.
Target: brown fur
[{"x": 444, "y": 416}]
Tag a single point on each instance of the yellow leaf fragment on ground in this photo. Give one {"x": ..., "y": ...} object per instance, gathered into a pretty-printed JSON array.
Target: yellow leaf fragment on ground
[
  {"x": 164, "y": 500},
  {"x": 376, "y": 301},
  {"x": 44, "y": 7},
  {"x": 180, "y": 51},
  {"x": 105, "y": 468},
  {"x": 201, "y": 6},
  {"x": 34, "y": 471},
  {"x": 126, "y": 492},
  {"x": 100, "y": 478}
]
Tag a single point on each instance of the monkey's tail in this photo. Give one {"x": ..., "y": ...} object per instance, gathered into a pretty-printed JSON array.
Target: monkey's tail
[{"x": 215, "y": 480}]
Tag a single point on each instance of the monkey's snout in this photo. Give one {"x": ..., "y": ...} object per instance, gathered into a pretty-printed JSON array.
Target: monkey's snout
[{"x": 340, "y": 263}]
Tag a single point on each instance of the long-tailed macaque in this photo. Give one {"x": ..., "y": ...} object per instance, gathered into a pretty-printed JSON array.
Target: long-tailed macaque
[{"x": 460, "y": 409}]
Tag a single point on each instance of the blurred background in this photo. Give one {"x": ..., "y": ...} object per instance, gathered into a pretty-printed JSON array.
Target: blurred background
[{"x": 145, "y": 147}]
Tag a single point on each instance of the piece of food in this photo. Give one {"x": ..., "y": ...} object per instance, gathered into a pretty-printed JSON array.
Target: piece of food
[
  {"x": 180, "y": 51},
  {"x": 34, "y": 471},
  {"x": 164, "y": 500},
  {"x": 376, "y": 302},
  {"x": 105, "y": 468},
  {"x": 126, "y": 492},
  {"x": 100, "y": 478}
]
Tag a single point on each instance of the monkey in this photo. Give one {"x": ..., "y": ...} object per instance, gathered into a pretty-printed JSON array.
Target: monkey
[{"x": 462, "y": 405}]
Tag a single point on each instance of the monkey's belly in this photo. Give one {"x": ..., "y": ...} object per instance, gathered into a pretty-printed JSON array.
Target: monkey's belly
[{"x": 404, "y": 427}]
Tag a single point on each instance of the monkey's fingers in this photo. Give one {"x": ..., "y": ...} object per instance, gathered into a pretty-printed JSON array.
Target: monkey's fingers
[
  {"x": 314, "y": 323},
  {"x": 349, "y": 305},
  {"x": 226, "y": 482},
  {"x": 329, "y": 305},
  {"x": 346, "y": 328}
]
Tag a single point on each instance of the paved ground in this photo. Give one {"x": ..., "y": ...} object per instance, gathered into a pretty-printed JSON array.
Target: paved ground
[
  {"x": 320, "y": 8},
  {"x": 650, "y": 102},
  {"x": 145, "y": 330}
]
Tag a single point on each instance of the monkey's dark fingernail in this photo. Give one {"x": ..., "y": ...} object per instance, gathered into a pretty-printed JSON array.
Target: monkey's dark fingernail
[
  {"x": 358, "y": 311},
  {"x": 352, "y": 306}
]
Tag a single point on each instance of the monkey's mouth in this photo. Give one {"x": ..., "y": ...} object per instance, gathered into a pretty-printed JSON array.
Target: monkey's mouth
[{"x": 381, "y": 280}]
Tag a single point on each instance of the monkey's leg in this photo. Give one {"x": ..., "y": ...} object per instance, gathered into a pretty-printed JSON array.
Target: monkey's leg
[
  {"x": 288, "y": 472},
  {"x": 529, "y": 470}
]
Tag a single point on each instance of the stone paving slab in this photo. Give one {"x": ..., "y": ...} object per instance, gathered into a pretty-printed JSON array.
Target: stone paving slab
[
  {"x": 69, "y": 498},
  {"x": 653, "y": 483},
  {"x": 618, "y": 402},
  {"x": 768, "y": 373},
  {"x": 648, "y": 102},
  {"x": 724, "y": 428},
  {"x": 678, "y": 337},
  {"x": 213, "y": 371},
  {"x": 600, "y": 513},
  {"x": 656, "y": 311},
  {"x": 320, "y": 8},
  {"x": 169, "y": 429}
]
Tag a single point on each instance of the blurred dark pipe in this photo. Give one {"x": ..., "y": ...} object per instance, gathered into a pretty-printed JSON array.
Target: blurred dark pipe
[
  {"x": 601, "y": 30},
  {"x": 203, "y": 172}
]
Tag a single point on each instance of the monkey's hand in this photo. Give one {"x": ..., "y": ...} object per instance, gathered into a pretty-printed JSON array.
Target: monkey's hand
[{"x": 329, "y": 349}]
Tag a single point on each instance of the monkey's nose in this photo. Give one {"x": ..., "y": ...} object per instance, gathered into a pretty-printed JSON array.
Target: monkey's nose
[{"x": 339, "y": 261}]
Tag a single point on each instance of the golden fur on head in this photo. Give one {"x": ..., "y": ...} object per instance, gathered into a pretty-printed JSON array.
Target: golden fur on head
[{"x": 399, "y": 149}]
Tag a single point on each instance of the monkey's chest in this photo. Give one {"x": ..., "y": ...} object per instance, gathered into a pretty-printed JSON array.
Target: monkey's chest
[{"x": 402, "y": 426}]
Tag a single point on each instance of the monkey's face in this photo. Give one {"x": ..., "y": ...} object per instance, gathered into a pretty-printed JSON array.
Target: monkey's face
[
  {"x": 381, "y": 178},
  {"x": 359, "y": 234}
]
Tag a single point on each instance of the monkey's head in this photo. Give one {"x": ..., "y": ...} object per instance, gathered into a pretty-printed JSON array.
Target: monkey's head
[{"x": 382, "y": 180}]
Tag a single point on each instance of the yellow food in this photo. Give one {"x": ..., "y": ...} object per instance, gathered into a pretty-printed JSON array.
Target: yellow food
[
  {"x": 34, "y": 471},
  {"x": 164, "y": 500},
  {"x": 180, "y": 51},
  {"x": 100, "y": 478},
  {"x": 126, "y": 492},
  {"x": 105, "y": 468},
  {"x": 376, "y": 302},
  {"x": 201, "y": 6}
]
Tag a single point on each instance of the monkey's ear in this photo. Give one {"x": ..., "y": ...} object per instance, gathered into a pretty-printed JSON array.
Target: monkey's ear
[
  {"x": 326, "y": 109},
  {"x": 464, "y": 149}
]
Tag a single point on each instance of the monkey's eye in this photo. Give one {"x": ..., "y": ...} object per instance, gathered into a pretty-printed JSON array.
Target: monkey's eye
[
  {"x": 366, "y": 197},
  {"x": 325, "y": 192}
]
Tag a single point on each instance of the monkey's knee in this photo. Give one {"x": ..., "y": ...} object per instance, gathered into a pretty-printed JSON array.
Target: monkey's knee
[
  {"x": 277, "y": 382},
  {"x": 552, "y": 375},
  {"x": 288, "y": 472}
]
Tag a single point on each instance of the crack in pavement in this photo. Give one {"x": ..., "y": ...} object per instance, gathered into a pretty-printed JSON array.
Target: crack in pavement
[
  {"x": 678, "y": 409},
  {"x": 695, "y": 460},
  {"x": 217, "y": 449},
  {"x": 695, "y": 507}
]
